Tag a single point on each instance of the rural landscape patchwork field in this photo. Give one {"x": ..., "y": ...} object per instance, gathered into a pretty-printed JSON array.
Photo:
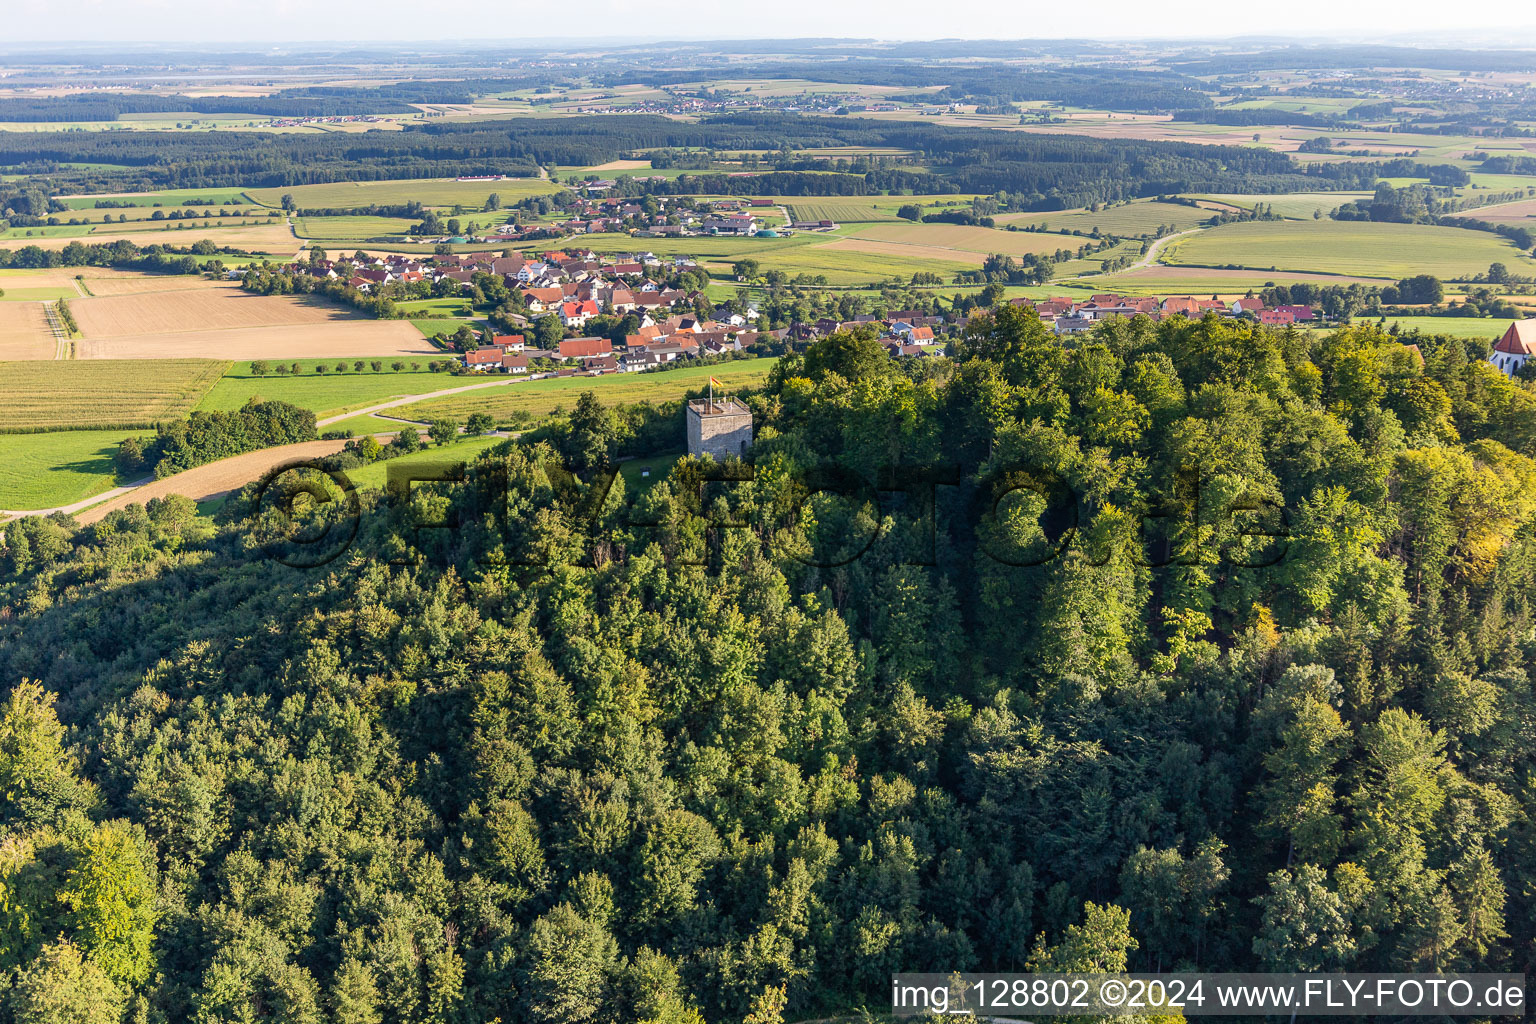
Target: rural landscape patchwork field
[{"x": 691, "y": 533}]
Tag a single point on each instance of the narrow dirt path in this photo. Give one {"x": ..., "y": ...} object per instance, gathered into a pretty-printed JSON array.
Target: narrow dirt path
[
  {"x": 408, "y": 399},
  {"x": 213, "y": 479},
  {"x": 1150, "y": 256}
]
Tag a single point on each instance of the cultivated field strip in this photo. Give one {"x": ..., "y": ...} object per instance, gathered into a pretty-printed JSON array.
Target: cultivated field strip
[
  {"x": 213, "y": 307},
  {"x": 72, "y": 395},
  {"x": 24, "y": 331}
]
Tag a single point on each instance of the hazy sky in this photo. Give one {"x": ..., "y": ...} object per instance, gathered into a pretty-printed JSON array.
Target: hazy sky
[{"x": 1486, "y": 23}]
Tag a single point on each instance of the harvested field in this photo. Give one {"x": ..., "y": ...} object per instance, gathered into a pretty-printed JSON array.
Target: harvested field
[
  {"x": 68, "y": 394},
  {"x": 349, "y": 339},
  {"x": 269, "y": 237},
  {"x": 217, "y": 306},
  {"x": 189, "y": 318},
  {"x": 1503, "y": 213},
  {"x": 620, "y": 165},
  {"x": 103, "y": 283},
  {"x": 24, "y": 332},
  {"x": 906, "y": 250}
]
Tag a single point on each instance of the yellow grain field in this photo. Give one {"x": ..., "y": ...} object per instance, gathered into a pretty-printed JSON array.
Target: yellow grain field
[
  {"x": 72, "y": 395},
  {"x": 218, "y": 320},
  {"x": 344, "y": 339}
]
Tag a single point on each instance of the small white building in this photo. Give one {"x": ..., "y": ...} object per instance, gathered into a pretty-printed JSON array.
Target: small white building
[{"x": 1516, "y": 346}]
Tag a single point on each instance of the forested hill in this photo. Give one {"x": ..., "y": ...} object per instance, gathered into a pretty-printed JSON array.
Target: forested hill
[
  {"x": 589, "y": 760},
  {"x": 1058, "y": 171}
]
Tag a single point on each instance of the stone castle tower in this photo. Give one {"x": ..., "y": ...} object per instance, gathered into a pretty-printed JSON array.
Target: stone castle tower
[{"x": 719, "y": 427}]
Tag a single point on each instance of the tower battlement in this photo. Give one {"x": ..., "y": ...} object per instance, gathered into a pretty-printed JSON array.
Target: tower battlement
[{"x": 719, "y": 427}]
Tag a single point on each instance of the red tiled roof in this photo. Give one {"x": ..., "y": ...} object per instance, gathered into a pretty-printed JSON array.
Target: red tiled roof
[
  {"x": 578, "y": 348},
  {"x": 1519, "y": 340}
]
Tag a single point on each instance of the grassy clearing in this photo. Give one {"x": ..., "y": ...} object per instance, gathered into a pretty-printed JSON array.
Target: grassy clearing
[
  {"x": 326, "y": 393},
  {"x": 446, "y": 458},
  {"x": 428, "y": 191},
  {"x": 640, "y": 475},
  {"x": 421, "y": 307},
  {"x": 106, "y": 393},
  {"x": 540, "y": 398},
  {"x": 1349, "y": 247},
  {"x": 364, "y": 424},
  {"x": 48, "y": 470}
]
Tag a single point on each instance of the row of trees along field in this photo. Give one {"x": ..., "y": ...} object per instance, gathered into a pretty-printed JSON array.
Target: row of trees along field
[{"x": 587, "y": 759}]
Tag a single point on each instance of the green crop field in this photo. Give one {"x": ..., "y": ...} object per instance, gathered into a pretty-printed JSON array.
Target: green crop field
[
  {"x": 167, "y": 198},
  {"x": 1349, "y": 247},
  {"x": 358, "y": 229},
  {"x": 806, "y": 253},
  {"x": 857, "y": 209},
  {"x": 39, "y": 294},
  {"x": 58, "y": 468},
  {"x": 1295, "y": 205},
  {"x": 1455, "y": 326},
  {"x": 854, "y": 266},
  {"x": 1142, "y": 217},
  {"x": 838, "y": 210},
  {"x": 326, "y": 393},
  {"x": 428, "y": 191},
  {"x": 542, "y": 397},
  {"x": 76, "y": 394}
]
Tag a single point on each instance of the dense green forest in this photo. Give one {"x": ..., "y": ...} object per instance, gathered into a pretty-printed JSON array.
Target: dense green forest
[
  {"x": 1058, "y": 171},
  {"x": 1190, "y": 644},
  {"x": 303, "y": 101}
]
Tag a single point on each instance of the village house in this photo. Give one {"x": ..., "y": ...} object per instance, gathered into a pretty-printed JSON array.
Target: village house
[{"x": 581, "y": 348}]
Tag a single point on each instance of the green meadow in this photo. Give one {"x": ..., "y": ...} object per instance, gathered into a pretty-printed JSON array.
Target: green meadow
[
  {"x": 427, "y": 191},
  {"x": 327, "y": 393},
  {"x": 57, "y": 468},
  {"x": 539, "y": 398},
  {"x": 1358, "y": 248}
]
